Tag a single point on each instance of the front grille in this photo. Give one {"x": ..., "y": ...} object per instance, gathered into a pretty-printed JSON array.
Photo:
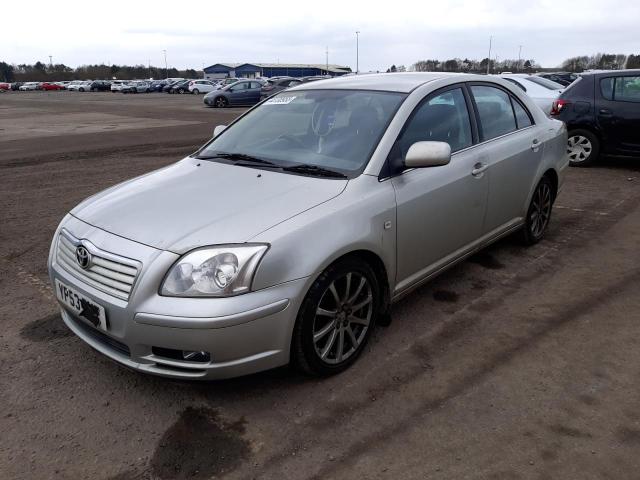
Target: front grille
[
  {"x": 107, "y": 272},
  {"x": 100, "y": 337}
]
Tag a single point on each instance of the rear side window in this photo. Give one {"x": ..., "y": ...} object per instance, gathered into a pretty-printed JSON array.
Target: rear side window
[
  {"x": 627, "y": 89},
  {"x": 495, "y": 111},
  {"x": 606, "y": 87},
  {"x": 522, "y": 117},
  {"x": 545, "y": 82},
  {"x": 443, "y": 118}
]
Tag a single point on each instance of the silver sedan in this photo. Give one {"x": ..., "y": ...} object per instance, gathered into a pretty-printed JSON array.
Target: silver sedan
[{"x": 289, "y": 235}]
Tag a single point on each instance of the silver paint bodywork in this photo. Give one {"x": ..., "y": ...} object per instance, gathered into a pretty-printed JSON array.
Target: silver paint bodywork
[{"x": 417, "y": 224}]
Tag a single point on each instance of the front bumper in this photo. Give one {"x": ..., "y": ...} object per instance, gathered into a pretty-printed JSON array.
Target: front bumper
[{"x": 243, "y": 334}]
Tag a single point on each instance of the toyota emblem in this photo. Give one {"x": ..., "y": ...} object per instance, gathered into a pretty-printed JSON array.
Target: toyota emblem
[{"x": 83, "y": 257}]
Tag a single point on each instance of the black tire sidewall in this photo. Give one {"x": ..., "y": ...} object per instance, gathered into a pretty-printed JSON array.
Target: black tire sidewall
[
  {"x": 595, "y": 147},
  {"x": 527, "y": 235},
  {"x": 303, "y": 352}
]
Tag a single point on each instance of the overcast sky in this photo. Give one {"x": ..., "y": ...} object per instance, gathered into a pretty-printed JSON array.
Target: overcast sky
[{"x": 392, "y": 32}]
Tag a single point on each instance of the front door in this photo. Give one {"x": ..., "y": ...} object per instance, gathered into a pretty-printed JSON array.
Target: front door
[{"x": 440, "y": 210}]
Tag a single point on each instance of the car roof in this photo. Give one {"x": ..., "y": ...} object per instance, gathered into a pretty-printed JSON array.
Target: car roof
[
  {"x": 608, "y": 73},
  {"x": 391, "y": 82}
]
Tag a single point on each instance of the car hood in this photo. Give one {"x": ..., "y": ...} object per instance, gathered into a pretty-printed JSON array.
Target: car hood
[{"x": 194, "y": 203}]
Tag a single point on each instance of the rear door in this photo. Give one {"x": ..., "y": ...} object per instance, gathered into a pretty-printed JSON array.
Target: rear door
[
  {"x": 253, "y": 96},
  {"x": 510, "y": 151},
  {"x": 618, "y": 113}
]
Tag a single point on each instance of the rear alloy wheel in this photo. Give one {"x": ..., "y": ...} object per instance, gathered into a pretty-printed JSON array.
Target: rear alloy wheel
[
  {"x": 81, "y": 89},
  {"x": 196, "y": 91},
  {"x": 582, "y": 148},
  {"x": 336, "y": 318},
  {"x": 539, "y": 213},
  {"x": 221, "y": 102}
]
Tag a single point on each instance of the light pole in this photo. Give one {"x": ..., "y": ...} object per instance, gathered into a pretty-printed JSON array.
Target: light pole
[
  {"x": 489, "y": 57},
  {"x": 519, "y": 56},
  {"x": 166, "y": 69},
  {"x": 357, "y": 52},
  {"x": 327, "y": 59}
]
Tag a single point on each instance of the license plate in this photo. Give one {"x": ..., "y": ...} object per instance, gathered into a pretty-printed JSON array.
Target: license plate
[{"x": 81, "y": 305}]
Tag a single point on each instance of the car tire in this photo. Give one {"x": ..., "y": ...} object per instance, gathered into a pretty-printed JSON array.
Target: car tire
[
  {"x": 220, "y": 102},
  {"x": 583, "y": 148},
  {"x": 336, "y": 318},
  {"x": 196, "y": 91},
  {"x": 81, "y": 89},
  {"x": 539, "y": 212}
]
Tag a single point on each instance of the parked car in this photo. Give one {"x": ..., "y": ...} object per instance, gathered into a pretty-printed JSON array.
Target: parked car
[
  {"x": 116, "y": 85},
  {"x": 50, "y": 86},
  {"x": 176, "y": 274},
  {"x": 158, "y": 85},
  {"x": 80, "y": 86},
  {"x": 5, "y": 86},
  {"x": 274, "y": 86},
  {"x": 542, "y": 91},
  {"x": 202, "y": 86},
  {"x": 602, "y": 114},
  {"x": 63, "y": 84},
  {"x": 223, "y": 82},
  {"x": 16, "y": 85},
  {"x": 179, "y": 87},
  {"x": 314, "y": 78},
  {"x": 137, "y": 87},
  {"x": 100, "y": 86},
  {"x": 243, "y": 92},
  {"x": 29, "y": 86},
  {"x": 563, "y": 78}
]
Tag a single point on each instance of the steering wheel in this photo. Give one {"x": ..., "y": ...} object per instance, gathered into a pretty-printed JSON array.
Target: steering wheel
[{"x": 292, "y": 139}]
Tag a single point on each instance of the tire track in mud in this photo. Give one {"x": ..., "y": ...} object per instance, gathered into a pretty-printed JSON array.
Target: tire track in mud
[{"x": 426, "y": 350}]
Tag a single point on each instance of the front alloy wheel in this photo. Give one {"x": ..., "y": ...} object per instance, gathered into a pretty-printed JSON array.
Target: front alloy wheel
[
  {"x": 220, "y": 102},
  {"x": 336, "y": 318}
]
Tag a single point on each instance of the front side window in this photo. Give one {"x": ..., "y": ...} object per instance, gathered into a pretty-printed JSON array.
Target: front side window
[
  {"x": 443, "y": 118},
  {"x": 331, "y": 129},
  {"x": 495, "y": 111}
]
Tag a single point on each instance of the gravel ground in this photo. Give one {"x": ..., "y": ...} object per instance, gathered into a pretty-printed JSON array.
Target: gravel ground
[{"x": 517, "y": 364}]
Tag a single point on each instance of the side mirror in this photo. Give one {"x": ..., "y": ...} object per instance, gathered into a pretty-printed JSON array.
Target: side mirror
[
  {"x": 218, "y": 130},
  {"x": 428, "y": 154}
]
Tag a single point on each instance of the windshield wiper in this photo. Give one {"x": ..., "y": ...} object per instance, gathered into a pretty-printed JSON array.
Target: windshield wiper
[
  {"x": 314, "y": 170},
  {"x": 239, "y": 157}
]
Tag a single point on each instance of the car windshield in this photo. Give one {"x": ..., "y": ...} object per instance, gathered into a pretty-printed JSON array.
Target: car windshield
[
  {"x": 326, "y": 129},
  {"x": 545, "y": 82}
]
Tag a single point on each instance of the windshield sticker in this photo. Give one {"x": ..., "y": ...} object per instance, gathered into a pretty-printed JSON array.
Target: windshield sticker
[{"x": 280, "y": 100}]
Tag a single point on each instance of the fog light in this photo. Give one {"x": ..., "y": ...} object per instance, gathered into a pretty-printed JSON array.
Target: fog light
[
  {"x": 188, "y": 355},
  {"x": 196, "y": 356}
]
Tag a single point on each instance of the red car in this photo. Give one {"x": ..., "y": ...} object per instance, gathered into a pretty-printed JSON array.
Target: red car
[
  {"x": 5, "y": 86},
  {"x": 50, "y": 86}
]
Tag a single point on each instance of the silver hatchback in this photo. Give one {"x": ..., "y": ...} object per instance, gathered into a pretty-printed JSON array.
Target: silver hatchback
[{"x": 288, "y": 236}]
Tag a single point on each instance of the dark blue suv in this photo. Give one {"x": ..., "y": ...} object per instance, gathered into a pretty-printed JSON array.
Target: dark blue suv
[{"x": 602, "y": 114}]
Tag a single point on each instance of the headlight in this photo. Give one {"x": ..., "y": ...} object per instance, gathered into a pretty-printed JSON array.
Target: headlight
[{"x": 220, "y": 271}]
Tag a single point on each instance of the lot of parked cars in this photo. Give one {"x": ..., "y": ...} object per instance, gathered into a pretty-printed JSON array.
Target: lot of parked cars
[{"x": 601, "y": 109}]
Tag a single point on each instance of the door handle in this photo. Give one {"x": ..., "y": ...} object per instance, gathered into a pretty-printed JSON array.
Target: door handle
[
  {"x": 535, "y": 145},
  {"x": 605, "y": 112},
  {"x": 478, "y": 169}
]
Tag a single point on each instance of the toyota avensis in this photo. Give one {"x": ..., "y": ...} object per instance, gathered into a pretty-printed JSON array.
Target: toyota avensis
[{"x": 289, "y": 235}]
